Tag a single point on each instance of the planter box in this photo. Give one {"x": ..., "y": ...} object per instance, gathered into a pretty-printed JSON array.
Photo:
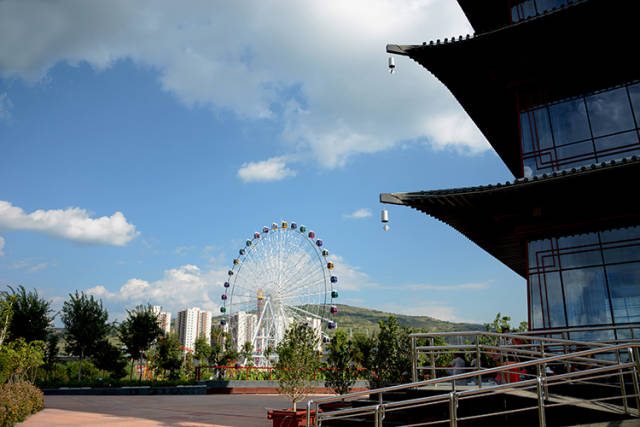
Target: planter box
[{"x": 289, "y": 418}]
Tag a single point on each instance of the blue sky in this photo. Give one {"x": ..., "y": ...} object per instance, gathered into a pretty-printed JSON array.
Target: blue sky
[{"x": 140, "y": 145}]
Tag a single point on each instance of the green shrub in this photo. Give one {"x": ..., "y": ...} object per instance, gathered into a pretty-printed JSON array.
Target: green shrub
[
  {"x": 18, "y": 400},
  {"x": 89, "y": 371}
]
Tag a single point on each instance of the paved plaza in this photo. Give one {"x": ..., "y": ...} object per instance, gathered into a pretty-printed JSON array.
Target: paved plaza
[{"x": 196, "y": 410}]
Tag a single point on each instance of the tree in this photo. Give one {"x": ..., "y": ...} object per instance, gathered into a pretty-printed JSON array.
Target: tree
[
  {"x": 217, "y": 336},
  {"x": 202, "y": 349},
  {"x": 85, "y": 321},
  {"x": 247, "y": 351},
  {"x": 268, "y": 352},
  {"x": 170, "y": 355},
  {"x": 341, "y": 374},
  {"x": 139, "y": 330},
  {"x": 363, "y": 350},
  {"x": 215, "y": 354},
  {"x": 187, "y": 365},
  {"x": 392, "y": 360},
  {"x": 297, "y": 362},
  {"x": 108, "y": 357},
  {"x": 6, "y": 314},
  {"x": 499, "y": 323},
  {"x": 51, "y": 352},
  {"x": 20, "y": 360},
  {"x": 230, "y": 354},
  {"x": 31, "y": 316},
  {"x": 217, "y": 344}
]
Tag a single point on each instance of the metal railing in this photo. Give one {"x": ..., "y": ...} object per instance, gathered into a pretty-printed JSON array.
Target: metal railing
[
  {"x": 489, "y": 349},
  {"x": 593, "y": 365}
]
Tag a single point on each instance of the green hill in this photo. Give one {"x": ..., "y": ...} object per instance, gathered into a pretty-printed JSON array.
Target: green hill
[
  {"x": 358, "y": 319},
  {"x": 365, "y": 320}
]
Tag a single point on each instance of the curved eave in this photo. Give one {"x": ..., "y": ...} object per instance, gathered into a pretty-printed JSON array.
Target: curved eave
[
  {"x": 486, "y": 15},
  {"x": 489, "y": 15},
  {"x": 573, "y": 50},
  {"x": 502, "y": 219}
]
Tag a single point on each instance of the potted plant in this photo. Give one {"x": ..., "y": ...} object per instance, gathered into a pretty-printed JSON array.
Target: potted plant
[{"x": 297, "y": 361}]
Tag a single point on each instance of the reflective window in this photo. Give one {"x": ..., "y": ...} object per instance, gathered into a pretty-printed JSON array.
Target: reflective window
[
  {"x": 589, "y": 129},
  {"x": 555, "y": 300},
  {"x": 624, "y": 280},
  {"x": 569, "y": 121},
  {"x": 609, "y": 112},
  {"x": 535, "y": 304},
  {"x": 634, "y": 95},
  {"x": 580, "y": 251},
  {"x": 585, "y": 280},
  {"x": 587, "y": 297},
  {"x": 524, "y": 9}
]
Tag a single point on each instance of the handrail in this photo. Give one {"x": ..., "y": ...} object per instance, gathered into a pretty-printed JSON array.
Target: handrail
[
  {"x": 453, "y": 378},
  {"x": 630, "y": 326},
  {"x": 509, "y": 335},
  {"x": 461, "y": 394},
  {"x": 476, "y": 373}
]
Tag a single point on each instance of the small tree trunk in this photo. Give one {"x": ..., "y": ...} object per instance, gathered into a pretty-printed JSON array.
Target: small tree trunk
[
  {"x": 294, "y": 406},
  {"x": 131, "y": 371},
  {"x": 140, "y": 364},
  {"x": 4, "y": 328}
]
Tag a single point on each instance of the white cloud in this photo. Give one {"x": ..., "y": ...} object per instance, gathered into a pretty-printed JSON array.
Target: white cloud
[
  {"x": 454, "y": 130},
  {"x": 440, "y": 311},
  {"x": 350, "y": 277},
  {"x": 73, "y": 224},
  {"x": 191, "y": 286},
  {"x": 37, "y": 267},
  {"x": 19, "y": 264},
  {"x": 319, "y": 68},
  {"x": 273, "y": 169},
  {"x": 31, "y": 266},
  {"x": 5, "y": 107},
  {"x": 179, "y": 288},
  {"x": 359, "y": 214},
  {"x": 446, "y": 288},
  {"x": 182, "y": 250},
  {"x": 1, "y": 245}
]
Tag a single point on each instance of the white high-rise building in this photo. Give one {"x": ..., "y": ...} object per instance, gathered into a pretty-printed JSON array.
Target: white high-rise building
[
  {"x": 316, "y": 326},
  {"x": 164, "y": 319},
  {"x": 191, "y": 323},
  {"x": 243, "y": 327},
  {"x": 252, "y": 322},
  {"x": 204, "y": 325}
]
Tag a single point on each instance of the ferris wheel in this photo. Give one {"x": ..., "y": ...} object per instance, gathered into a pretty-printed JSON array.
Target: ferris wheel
[{"x": 281, "y": 276}]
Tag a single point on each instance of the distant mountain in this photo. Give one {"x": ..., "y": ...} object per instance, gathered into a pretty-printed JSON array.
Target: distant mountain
[{"x": 364, "y": 319}]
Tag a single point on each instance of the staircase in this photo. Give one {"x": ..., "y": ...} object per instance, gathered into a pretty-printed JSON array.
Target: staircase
[{"x": 591, "y": 382}]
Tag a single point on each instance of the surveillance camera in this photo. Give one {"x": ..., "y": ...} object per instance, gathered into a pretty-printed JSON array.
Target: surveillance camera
[{"x": 392, "y": 65}]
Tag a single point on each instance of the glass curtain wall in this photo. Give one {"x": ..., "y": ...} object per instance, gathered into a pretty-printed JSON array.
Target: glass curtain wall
[
  {"x": 585, "y": 280},
  {"x": 588, "y": 129},
  {"x": 525, "y": 9}
]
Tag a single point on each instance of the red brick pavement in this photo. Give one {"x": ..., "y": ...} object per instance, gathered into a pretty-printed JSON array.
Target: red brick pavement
[{"x": 195, "y": 410}]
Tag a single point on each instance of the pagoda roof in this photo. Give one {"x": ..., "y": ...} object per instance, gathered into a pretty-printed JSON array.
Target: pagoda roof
[
  {"x": 585, "y": 46},
  {"x": 486, "y": 15},
  {"x": 489, "y": 15},
  {"x": 502, "y": 218}
]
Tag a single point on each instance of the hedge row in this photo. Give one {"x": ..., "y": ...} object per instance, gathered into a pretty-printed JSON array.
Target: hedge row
[{"x": 17, "y": 401}]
